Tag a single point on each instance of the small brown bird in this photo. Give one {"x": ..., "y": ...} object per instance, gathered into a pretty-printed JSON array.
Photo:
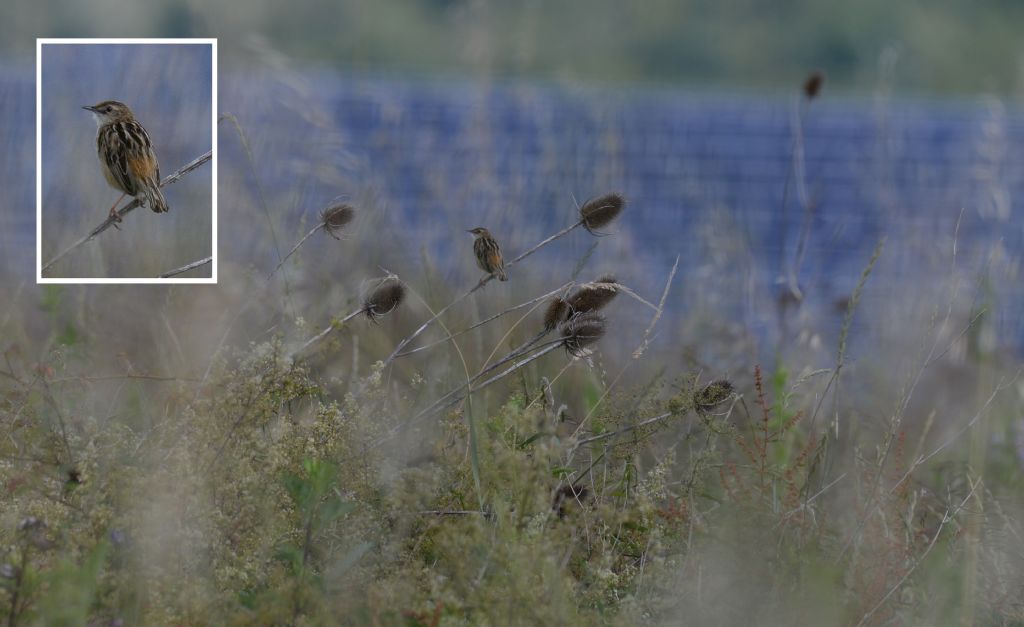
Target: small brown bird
[
  {"x": 488, "y": 255},
  {"x": 126, "y": 155}
]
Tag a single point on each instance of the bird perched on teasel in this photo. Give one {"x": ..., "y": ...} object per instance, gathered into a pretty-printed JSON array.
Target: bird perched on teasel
[
  {"x": 488, "y": 255},
  {"x": 126, "y": 155}
]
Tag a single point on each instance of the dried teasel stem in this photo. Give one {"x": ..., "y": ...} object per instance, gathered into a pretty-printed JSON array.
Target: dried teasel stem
[
  {"x": 485, "y": 321},
  {"x": 577, "y": 335},
  {"x": 385, "y": 297},
  {"x": 332, "y": 220}
]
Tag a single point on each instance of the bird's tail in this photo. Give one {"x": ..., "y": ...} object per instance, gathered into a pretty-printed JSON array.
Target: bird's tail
[
  {"x": 155, "y": 199},
  {"x": 501, "y": 274}
]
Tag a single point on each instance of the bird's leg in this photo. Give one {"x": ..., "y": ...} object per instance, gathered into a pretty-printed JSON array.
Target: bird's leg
[{"x": 113, "y": 211}]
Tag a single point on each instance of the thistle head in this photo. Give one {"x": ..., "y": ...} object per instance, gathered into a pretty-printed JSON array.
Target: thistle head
[
  {"x": 555, "y": 314},
  {"x": 598, "y": 213},
  {"x": 384, "y": 298},
  {"x": 581, "y": 331},
  {"x": 335, "y": 217},
  {"x": 593, "y": 296}
]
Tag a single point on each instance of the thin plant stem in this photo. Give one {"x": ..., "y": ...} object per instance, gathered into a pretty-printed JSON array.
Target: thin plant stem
[
  {"x": 295, "y": 248},
  {"x": 321, "y": 335},
  {"x": 185, "y": 268},
  {"x": 487, "y": 320}
]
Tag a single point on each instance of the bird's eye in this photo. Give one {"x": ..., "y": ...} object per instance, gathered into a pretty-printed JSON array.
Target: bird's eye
[{"x": 109, "y": 109}]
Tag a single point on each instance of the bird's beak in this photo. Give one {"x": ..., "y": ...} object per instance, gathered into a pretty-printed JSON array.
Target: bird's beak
[
  {"x": 90, "y": 108},
  {"x": 469, "y": 230}
]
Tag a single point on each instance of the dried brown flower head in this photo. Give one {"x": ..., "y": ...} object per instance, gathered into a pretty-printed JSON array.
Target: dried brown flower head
[
  {"x": 599, "y": 212},
  {"x": 580, "y": 331},
  {"x": 555, "y": 314},
  {"x": 385, "y": 297},
  {"x": 812, "y": 86},
  {"x": 712, "y": 394},
  {"x": 593, "y": 296},
  {"x": 335, "y": 217}
]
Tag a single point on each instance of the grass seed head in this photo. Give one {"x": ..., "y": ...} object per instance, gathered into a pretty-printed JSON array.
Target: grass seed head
[
  {"x": 335, "y": 217},
  {"x": 582, "y": 330},
  {"x": 384, "y": 298},
  {"x": 555, "y": 314},
  {"x": 598, "y": 213}
]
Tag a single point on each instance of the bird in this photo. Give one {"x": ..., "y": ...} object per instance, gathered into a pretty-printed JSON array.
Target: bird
[
  {"x": 126, "y": 155},
  {"x": 488, "y": 255}
]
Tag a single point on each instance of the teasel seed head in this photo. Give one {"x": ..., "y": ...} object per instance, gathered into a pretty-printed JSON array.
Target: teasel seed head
[
  {"x": 593, "y": 296},
  {"x": 712, "y": 394},
  {"x": 335, "y": 217},
  {"x": 556, "y": 313},
  {"x": 384, "y": 298},
  {"x": 812, "y": 86},
  {"x": 598, "y": 213},
  {"x": 582, "y": 330}
]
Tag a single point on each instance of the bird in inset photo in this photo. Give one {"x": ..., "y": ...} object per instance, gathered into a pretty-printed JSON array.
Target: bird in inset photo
[
  {"x": 126, "y": 155},
  {"x": 488, "y": 255}
]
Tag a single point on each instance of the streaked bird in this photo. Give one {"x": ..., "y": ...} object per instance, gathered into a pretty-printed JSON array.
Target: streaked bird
[
  {"x": 126, "y": 155},
  {"x": 488, "y": 254}
]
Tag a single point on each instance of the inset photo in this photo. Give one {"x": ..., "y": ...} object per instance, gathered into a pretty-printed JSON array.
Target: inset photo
[{"x": 126, "y": 165}]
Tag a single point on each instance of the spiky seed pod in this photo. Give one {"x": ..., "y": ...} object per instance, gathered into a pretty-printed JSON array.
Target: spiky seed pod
[
  {"x": 712, "y": 394},
  {"x": 812, "y": 86},
  {"x": 606, "y": 278},
  {"x": 592, "y": 296},
  {"x": 565, "y": 494},
  {"x": 384, "y": 298},
  {"x": 555, "y": 314},
  {"x": 599, "y": 212},
  {"x": 580, "y": 331},
  {"x": 335, "y": 217}
]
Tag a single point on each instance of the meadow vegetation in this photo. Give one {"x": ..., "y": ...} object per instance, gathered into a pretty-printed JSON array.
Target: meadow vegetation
[{"x": 273, "y": 451}]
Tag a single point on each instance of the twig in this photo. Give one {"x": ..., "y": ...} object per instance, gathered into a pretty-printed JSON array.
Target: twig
[
  {"x": 186, "y": 267},
  {"x": 321, "y": 335},
  {"x": 658, "y": 311},
  {"x": 123, "y": 211},
  {"x": 295, "y": 248},
  {"x": 609, "y": 434},
  {"x": 118, "y": 377},
  {"x": 487, "y": 320}
]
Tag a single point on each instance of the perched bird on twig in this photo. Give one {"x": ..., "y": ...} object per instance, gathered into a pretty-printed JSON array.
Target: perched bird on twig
[
  {"x": 488, "y": 255},
  {"x": 126, "y": 155}
]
